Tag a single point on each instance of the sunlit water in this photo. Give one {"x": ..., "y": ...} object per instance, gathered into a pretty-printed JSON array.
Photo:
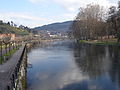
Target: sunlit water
[{"x": 68, "y": 66}]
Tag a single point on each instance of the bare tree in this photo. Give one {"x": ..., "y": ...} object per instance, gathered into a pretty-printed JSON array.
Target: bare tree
[
  {"x": 6, "y": 41},
  {"x": 114, "y": 21},
  {"x": 89, "y": 22}
]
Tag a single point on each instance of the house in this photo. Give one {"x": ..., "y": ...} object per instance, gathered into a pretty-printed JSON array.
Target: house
[
  {"x": 53, "y": 34},
  {"x": 8, "y": 35}
]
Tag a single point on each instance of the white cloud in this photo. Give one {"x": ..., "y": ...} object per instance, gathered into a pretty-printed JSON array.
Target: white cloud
[
  {"x": 36, "y": 1},
  {"x": 73, "y": 5},
  {"x": 24, "y": 18},
  {"x": 70, "y": 16}
]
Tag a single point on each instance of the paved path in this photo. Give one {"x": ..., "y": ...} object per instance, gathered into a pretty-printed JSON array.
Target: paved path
[{"x": 7, "y": 68}]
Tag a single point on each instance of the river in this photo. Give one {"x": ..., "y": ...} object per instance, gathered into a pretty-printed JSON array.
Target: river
[{"x": 69, "y": 66}]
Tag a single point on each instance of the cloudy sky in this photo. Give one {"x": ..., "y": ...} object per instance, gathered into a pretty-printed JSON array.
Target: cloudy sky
[{"x": 34, "y": 13}]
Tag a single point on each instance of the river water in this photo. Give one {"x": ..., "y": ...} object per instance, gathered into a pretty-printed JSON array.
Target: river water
[{"x": 69, "y": 66}]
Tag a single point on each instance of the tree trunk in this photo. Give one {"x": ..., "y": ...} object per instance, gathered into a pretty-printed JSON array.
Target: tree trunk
[
  {"x": 118, "y": 40},
  {"x": 6, "y": 48},
  {"x": 1, "y": 51},
  {"x": 108, "y": 36},
  {"x": 9, "y": 47}
]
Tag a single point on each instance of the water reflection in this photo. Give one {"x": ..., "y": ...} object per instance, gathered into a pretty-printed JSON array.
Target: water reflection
[
  {"x": 101, "y": 64},
  {"x": 68, "y": 66},
  {"x": 90, "y": 59},
  {"x": 115, "y": 67}
]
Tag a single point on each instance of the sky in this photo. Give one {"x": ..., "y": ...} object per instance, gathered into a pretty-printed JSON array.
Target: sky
[{"x": 33, "y": 13}]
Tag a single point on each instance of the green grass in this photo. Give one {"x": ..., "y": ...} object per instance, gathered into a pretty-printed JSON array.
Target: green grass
[
  {"x": 107, "y": 43},
  {"x": 7, "y": 55},
  {"x": 100, "y": 42},
  {"x": 10, "y": 53},
  {"x": 82, "y": 41},
  {"x": 1, "y": 60}
]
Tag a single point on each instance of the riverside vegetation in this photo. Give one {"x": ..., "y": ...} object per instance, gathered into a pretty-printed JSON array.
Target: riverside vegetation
[{"x": 96, "y": 24}]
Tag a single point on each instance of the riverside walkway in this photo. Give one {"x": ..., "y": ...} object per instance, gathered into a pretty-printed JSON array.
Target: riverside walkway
[{"x": 9, "y": 70}]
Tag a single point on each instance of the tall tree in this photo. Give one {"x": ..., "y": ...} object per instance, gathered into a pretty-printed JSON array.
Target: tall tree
[
  {"x": 114, "y": 21},
  {"x": 88, "y": 22}
]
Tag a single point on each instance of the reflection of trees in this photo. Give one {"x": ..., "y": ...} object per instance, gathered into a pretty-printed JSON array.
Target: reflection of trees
[
  {"x": 90, "y": 59},
  {"x": 115, "y": 66},
  {"x": 96, "y": 60}
]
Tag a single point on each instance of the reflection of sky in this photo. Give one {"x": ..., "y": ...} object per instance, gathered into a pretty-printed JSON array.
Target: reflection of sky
[{"x": 54, "y": 69}]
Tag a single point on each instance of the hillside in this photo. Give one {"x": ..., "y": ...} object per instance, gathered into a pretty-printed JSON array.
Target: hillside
[
  {"x": 58, "y": 27},
  {"x": 4, "y": 28}
]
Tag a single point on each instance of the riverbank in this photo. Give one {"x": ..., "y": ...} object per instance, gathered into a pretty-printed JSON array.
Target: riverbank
[{"x": 101, "y": 42}]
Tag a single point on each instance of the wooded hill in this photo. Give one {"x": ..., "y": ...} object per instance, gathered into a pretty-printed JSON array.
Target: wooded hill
[
  {"x": 56, "y": 27},
  {"x": 10, "y": 28}
]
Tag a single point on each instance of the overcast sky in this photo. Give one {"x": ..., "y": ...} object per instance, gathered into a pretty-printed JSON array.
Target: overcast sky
[{"x": 34, "y": 13}]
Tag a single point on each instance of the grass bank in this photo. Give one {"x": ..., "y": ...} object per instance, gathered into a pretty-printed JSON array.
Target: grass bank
[
  {"x": 7, "y": 55},
  {"x": 97, "y": 42}
]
